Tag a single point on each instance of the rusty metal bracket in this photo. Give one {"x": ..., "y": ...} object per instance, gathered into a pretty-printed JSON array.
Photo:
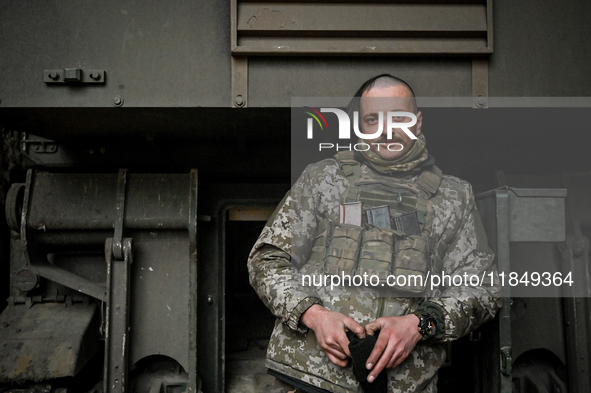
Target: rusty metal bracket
[
  {"x": 239, "y": 82},
  {"x": 117, "y": 327},
  {"x": 480, "y": 82}
]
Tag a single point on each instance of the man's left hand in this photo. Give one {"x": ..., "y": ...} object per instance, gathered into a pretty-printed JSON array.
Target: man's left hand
[{"x": 398, "y": 336}]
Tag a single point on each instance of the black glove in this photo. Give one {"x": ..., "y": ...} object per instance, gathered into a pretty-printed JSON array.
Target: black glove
[{"x": 360, "y": 350}]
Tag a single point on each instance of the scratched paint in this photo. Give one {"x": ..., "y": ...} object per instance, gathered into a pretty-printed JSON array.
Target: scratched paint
[{"x": 266, "y": 18}]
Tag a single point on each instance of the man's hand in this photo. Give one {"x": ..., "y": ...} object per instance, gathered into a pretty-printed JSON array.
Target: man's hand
[
  {"x": 398, "y": 336},
  {"x": 330, "y": 328}
]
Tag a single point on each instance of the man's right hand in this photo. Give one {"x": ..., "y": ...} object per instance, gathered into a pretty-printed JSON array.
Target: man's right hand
[{"x": 330, "y": 328}]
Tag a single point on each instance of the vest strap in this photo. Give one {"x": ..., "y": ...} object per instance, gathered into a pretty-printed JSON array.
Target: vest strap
[
  {"x": 430, "y": 179},
  {"x": 428, "y": 182},
  {"x": 352, "y": 169}
]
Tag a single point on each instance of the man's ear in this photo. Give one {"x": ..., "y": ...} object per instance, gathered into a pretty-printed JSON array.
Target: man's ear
[{"x": 419, "y": 122}]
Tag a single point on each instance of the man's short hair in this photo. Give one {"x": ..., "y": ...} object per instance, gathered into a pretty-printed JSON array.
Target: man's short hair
[{"x": 379, "y": 81}]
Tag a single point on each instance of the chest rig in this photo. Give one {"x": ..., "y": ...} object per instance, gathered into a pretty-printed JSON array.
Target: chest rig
[{"x": 399, "y": 260}]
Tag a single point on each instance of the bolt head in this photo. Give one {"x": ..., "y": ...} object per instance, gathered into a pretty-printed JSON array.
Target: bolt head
[
  {"x": 481, "y": 102},
  {"x": 239, "y": 101}
]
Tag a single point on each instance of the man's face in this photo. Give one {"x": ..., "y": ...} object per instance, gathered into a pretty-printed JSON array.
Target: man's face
[{"x": 388, "y": 99}]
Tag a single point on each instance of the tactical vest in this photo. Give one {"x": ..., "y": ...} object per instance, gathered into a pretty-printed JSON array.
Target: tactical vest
[{"x": 355, "y": 250}]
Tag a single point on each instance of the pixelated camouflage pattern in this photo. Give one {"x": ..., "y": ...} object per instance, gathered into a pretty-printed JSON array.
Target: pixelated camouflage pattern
[
  {"x": 383, "y": 252},
  {"x": 277, "y": 265},
  {"x": 341, "y": 249}
]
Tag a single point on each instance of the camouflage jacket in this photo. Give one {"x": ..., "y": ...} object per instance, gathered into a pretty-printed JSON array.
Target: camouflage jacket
[{"x": 285, "y": 242}]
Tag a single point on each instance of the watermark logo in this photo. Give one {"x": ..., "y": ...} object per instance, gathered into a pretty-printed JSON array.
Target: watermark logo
[
  {"x": 311, "y": 124},
  {"x": 394, "y": 119}
]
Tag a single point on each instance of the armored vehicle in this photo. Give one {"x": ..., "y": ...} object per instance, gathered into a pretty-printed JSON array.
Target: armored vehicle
[{"x": 144, "y": 144}]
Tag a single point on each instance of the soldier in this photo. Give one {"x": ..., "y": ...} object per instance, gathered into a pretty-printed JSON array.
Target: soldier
[{"x": 432, "y": 233}]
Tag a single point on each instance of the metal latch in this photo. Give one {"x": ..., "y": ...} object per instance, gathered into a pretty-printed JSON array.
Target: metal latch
[{"x": 73, "y": 75}]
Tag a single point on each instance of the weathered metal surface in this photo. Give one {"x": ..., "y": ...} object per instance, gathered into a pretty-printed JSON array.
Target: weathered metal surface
[
  {"x": 70, "y": 280},
  {"x": 537, "y": 215},
  {"x": 578, "y": 333},
  {"x": 480, "y": 82},
  {"x": 65, "y": 215},
  {"x": 495, "y": 211},
  {"x": 502, "y": 252},
  {"x": 361, "y": 28},
  {"x": 358, "y": 46},
  {"x": 162, "y": 312},
  {"x": 240, "y": 82},
  {"x": 46, "y": 341},
  {"x": 73, "y": 75},
  {"x": 117, "y": 242},
  {"x": 513, "y": 215},
  {"x": 254, "y": 18},
  {"x": 575, "y": 253},
  {"x": 14, "y": 205},
  {"x": 117, "y": 329},
  {"x": 560, "y": 326},
  {"x": 191, "y": 304},
  {"x": 157, "y": 56},
  {"x": 151, "y": 53},
  {"x": 90, "y": 200}
]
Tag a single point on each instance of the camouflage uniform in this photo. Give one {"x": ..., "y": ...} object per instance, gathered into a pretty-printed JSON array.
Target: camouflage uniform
[{"x": 286, "y": 241}]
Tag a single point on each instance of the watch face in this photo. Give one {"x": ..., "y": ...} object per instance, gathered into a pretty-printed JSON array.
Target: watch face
[
  {"x": 427, "y": 326},
  {"x": 431, "y": 327}
]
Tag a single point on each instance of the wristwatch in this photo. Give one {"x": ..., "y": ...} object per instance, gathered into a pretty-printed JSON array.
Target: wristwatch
[{"x": 427, "y": 325}]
